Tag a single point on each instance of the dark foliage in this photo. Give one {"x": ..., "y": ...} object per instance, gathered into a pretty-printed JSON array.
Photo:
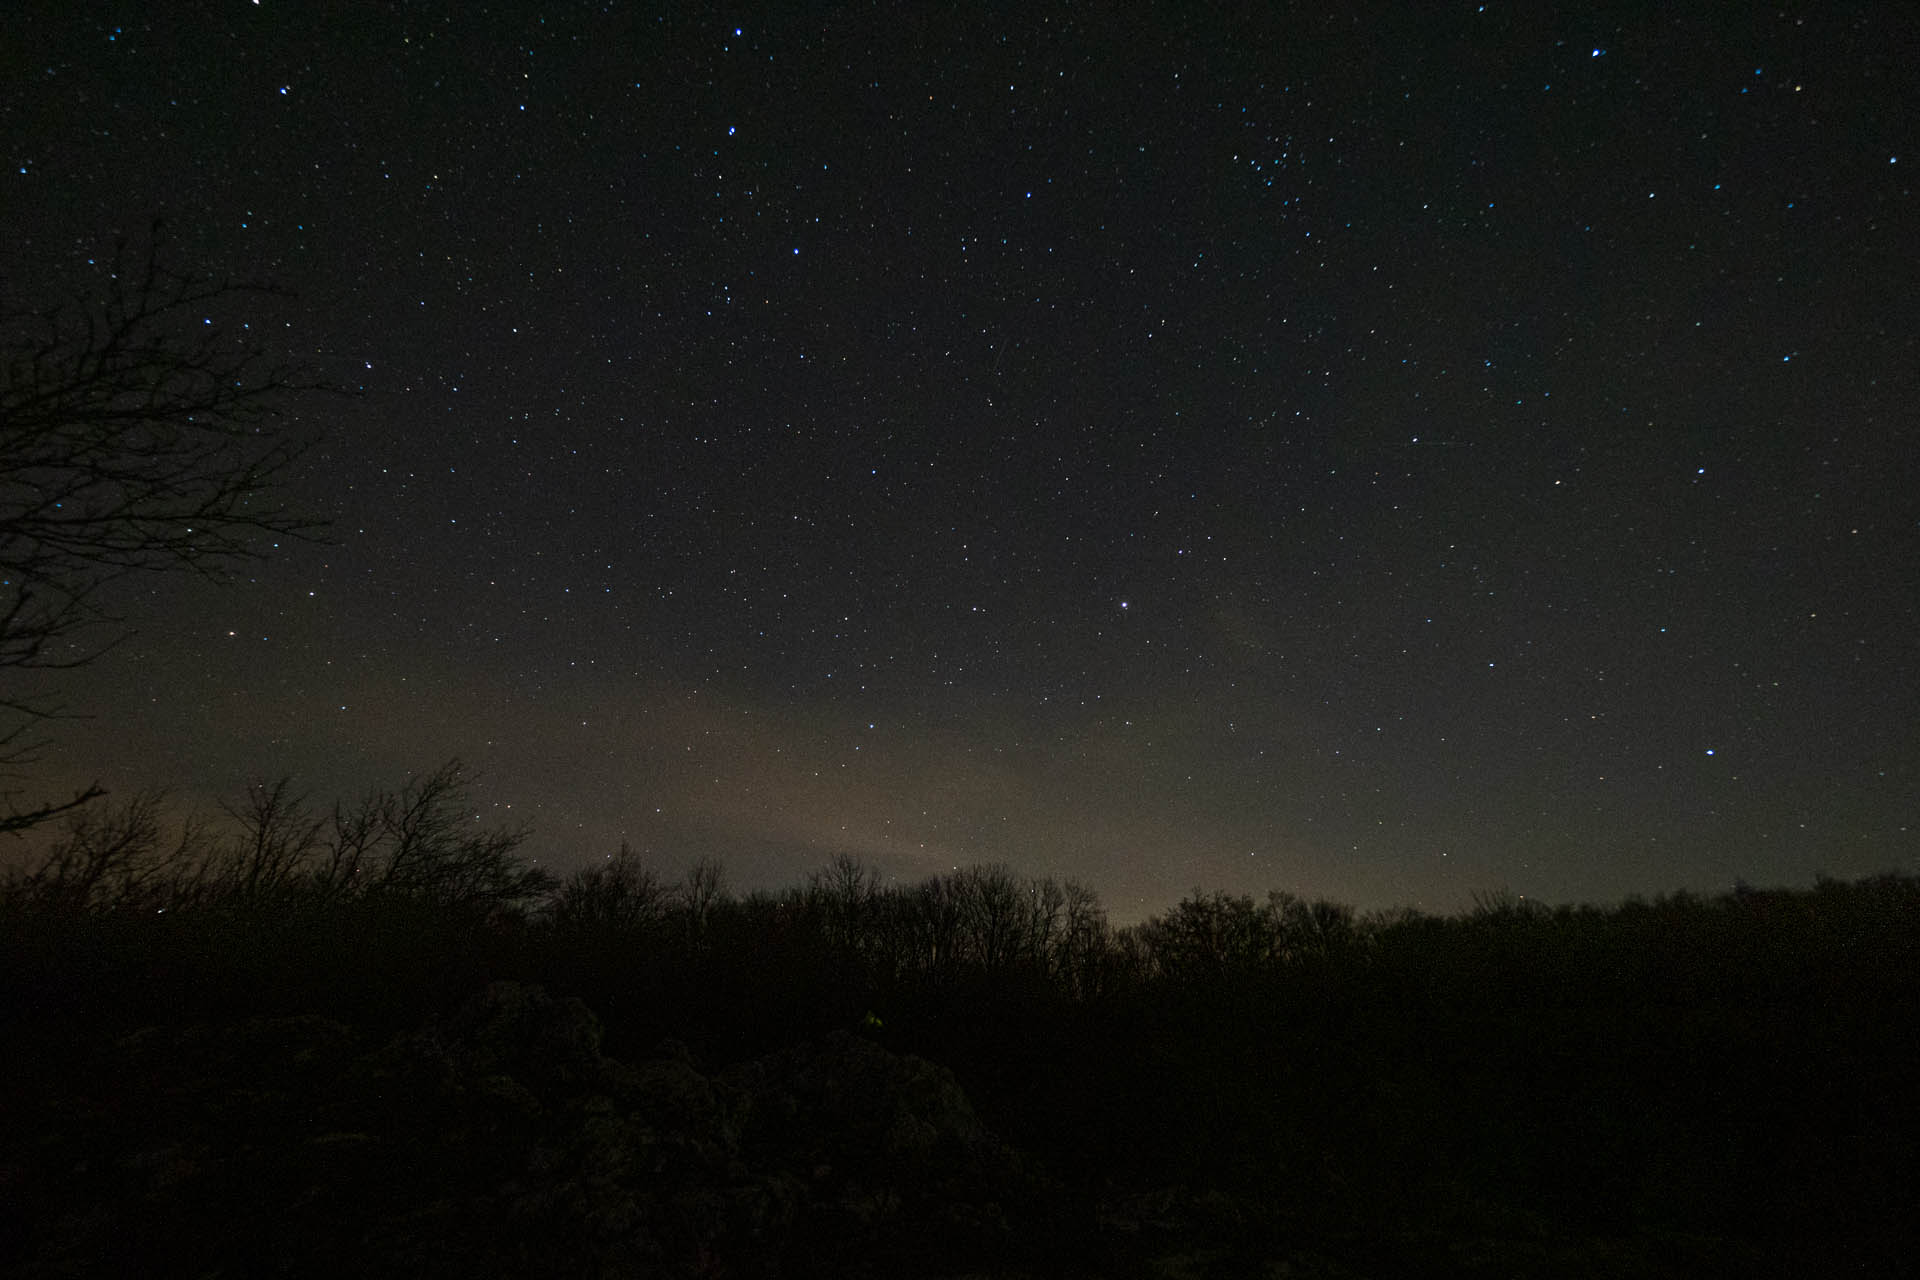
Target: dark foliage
[{"x": 678, "y": 1080}]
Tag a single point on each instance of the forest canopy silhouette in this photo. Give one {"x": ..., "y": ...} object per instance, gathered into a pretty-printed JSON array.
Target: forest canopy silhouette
[{"x": 977, "y": 1069}]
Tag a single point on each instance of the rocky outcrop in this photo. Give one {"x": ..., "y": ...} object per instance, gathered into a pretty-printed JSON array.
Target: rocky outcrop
[{"x": 501, "y": 1140}]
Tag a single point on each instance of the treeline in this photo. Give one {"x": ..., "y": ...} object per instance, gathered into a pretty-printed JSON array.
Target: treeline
[
  {"x": 421, "y": 845},
  {"x": 419, "y": 851},
  {"x": 1690, "y": 1080}
]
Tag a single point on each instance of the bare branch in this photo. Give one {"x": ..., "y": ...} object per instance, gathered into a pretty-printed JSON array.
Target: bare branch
[
  {"x": 134, "y": 436},
  {"x": 138, "y": 433}
]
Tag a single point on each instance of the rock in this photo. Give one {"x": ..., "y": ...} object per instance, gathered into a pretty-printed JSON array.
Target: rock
[
  {"x": 517, "y": 1029},
  {"x": 501, "y": 1141}
]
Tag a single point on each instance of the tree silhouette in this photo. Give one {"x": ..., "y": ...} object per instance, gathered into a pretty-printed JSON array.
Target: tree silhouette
[
  {"x": 702, "y": 894},
  {"x": 422, "y": 843},
  {"x": 621, "y": 893},
  {"x": 844, "y": 894},
  {"x": 419, "y": 843},
  {"x": 121, "y": 858},
  {"x": 279, "y": 836},
  {"x": 135, "y": 436}
]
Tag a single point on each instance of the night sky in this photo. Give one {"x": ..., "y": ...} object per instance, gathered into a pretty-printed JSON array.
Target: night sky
[{"x": 1384, "y": 452}]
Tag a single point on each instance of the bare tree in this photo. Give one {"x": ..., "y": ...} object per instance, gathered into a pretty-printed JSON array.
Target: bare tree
[
  {"x": 1308, "y": 931},
  {"x": 702, "y": 894},
  {"x": 349, "y": 850},
  {"x": 421, "y": 842},
  {"x": 428, "y": 847},
  {"x": 1083, "y": 945},
  {"x": 136, "y": 435},
  {"x": 844, "y": 894},
  {"x": 1046, "y": 902},
  {"x": 118, "y": 859},
  {"x": 930, "y": 918},
  {"x": 997, "y": 915},
  {"x": 619, "y": 893},
  {"x": 276, "y": 841},
  {"x": 1209, "y": 934}
]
